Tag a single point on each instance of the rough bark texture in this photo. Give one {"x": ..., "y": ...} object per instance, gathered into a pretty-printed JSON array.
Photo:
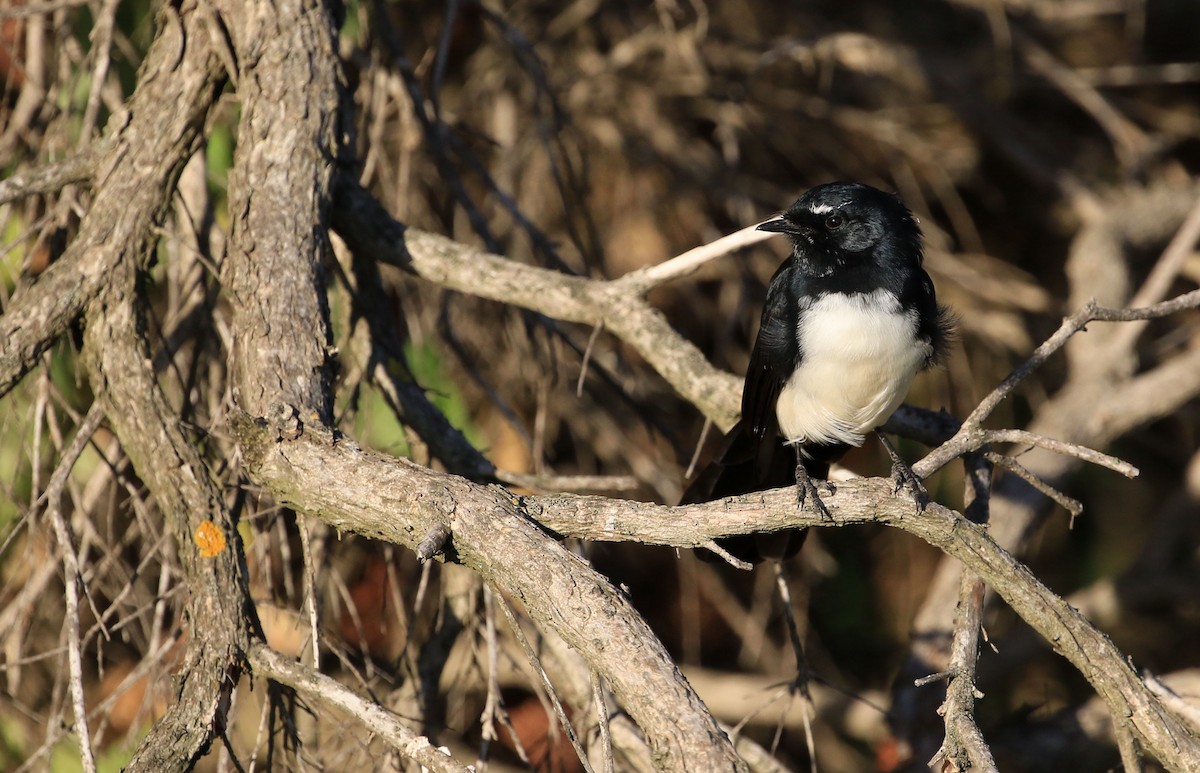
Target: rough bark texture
[
  {"x": 288, "y": 85},
  {"x": 455, "y": 143},
  {"x": 150, "y": 144},
  {"x": 219, "y": 611},
  {"x": 395, "y": 500},
  {"x": 398, "y": 501}
]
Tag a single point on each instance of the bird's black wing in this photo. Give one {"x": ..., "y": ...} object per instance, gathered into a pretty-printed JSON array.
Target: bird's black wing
[
  {"x": 753, "y": 456},
  {"x": 935, "y": 322},
  {"x": 775, "y": 356}
]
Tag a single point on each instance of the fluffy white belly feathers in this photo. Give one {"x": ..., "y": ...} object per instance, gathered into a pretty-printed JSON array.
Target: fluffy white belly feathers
[{"x": 859, "y": 353}]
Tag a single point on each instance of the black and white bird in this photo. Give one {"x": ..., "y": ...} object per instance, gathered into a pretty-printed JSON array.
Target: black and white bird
[{"x": 850, "y": 318}]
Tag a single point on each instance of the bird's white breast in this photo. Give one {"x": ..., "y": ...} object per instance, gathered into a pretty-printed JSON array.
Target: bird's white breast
[{"x": 859, "y": 353}]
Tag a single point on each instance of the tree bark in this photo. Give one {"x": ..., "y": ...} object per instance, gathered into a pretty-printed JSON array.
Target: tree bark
[
  {"x": 288, "y": 86},
  {"x": 399, "y": 501}
]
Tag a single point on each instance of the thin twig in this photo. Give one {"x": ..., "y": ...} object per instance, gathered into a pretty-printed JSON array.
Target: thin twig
[
  {"x": 72, "y": 576},
  {"x": 493, "y": 706},
  {"x": 1090, "y": 312},
  {"x": 315, "y": 685},
  {"x": 260, "y": 734},
  {"x": 800, "y": 684},
  {"x": 691, "y": 468},
  {"x": 103, "y": 708},
  {"x": 929, "y": 679},
  {"x": 160, "y": 606},
  {"x": 687, "y": 263},
  {"x": 1061, "y": 447},
  {"x": 39, "y": 9},
  {"x": 101, "y": 50},
  {"x": 310, "y": 587},
  {"x": 1070, "y": 504},
  {"x": 587, "y": 357},
  {"x": 1158, "y": 282},
  {"x": 729, "y": 558},
  {"x": 606, "y": 747},
  {"x": 971, "y": 437},
  {"x": 536, "y": 663}
]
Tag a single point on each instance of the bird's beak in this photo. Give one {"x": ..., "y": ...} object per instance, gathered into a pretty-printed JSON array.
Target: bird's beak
[{"x": 780, "y": 225}]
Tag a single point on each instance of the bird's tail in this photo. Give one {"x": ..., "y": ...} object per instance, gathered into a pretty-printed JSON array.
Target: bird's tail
[{"x": 744, "y": 465}]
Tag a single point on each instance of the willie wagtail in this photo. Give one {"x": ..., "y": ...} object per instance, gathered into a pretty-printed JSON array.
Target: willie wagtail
[{"x": 849, "y": 319}]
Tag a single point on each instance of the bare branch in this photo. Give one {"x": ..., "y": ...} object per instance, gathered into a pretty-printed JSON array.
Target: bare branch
[
  {"x": 491, "y": 533},
  {"x": 964, "y": 743},
  {"x": 368, "y": 230},
  {"x": 343, "y": 485},
  {"x": 220, "y": 614},
  {"x": 1061, "y": 447},
  {"x": 38, "y": 9},
  {"x": 535, "y": 663},
  {"x": 641, "y": 281},
  {"x": 970, "y": 435},
  {"x": 149, "y": 146},
  {"x": 73, "y": 578},
  {"x": 1070, "y": 504},
  {"x": 279, "y": 198},
  {"x": 316, "y": 686},
  {"x": 47, "y": 178}
]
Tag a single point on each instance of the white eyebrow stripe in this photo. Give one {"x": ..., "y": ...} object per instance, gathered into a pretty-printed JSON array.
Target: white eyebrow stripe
[{"x": 821, "y": 209}]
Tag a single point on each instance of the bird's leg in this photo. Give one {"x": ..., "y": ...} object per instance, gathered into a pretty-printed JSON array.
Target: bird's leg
[
  {"x": 903, "y": 474},
  {"x": 807, "y": 490},
  {"x": 803, "y": 672}
]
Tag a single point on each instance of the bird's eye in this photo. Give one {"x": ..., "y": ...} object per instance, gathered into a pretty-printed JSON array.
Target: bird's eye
[{"x": 834, "y": 222}]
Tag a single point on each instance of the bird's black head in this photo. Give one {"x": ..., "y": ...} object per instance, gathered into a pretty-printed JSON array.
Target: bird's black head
[{"x": 842, "y": 223}]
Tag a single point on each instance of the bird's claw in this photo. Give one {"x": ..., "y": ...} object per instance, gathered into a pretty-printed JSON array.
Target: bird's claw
[
  {"x": 904, "y": 477},
  {"x": 806, "y": 491}
]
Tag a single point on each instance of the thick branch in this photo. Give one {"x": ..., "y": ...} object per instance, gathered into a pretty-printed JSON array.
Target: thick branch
[
  {"x": 219, "y": 610},
  {"x": 278, "y": 201},
  {"x": 369, "y": 230},
  {"x": 153, "y": 142},
  {"x": 398, "y": 501},
  {"x": 394, "y": 500}
]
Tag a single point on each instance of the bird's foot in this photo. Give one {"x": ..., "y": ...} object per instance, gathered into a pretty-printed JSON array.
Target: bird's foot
[
  {"x": 806, "y": 492},
  {"x": 904, "y": 476}
]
